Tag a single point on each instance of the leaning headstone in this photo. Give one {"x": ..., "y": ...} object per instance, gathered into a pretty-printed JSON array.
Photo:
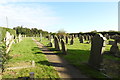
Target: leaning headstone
[
  {"x": 56, "y": 43},
  {"x": 64, "y": 50},
  {"x": 97, "y": 48}
]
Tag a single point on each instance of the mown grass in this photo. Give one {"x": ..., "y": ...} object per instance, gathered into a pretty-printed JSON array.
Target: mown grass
[
  {"x": 78, "y": 55},
  {"x": 21, "y": 54}
]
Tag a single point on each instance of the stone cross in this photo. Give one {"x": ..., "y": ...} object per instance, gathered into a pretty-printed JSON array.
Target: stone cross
[{"x": 96, "y": 53}]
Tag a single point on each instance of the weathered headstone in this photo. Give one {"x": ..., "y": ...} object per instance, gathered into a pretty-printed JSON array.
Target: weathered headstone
[
  {"x": 115, "y": 49},
  {"x": 81, "y": 39},
  {"x": 19, "y": 37},
  {"x": 64, "y": 50},
  {"x": 50, "y": 44},
  {"x": 97, "y": 47},
  {"x": 66, "y": 39},
  {"x": 111, "y": 42},
  {"x": 56, "y": 43},
  {"x": 71, "y": 41},
  {"x": 40, "y": 36},
  {"x": 107, "y": 36},
  {"x": 7, "y": 39}
]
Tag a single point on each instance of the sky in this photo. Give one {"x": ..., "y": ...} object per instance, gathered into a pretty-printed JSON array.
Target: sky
[{"x": 72, "y": 16}]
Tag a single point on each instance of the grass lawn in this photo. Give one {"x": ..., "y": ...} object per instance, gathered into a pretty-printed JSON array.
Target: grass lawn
[
  {"x": 22, "y": 54},
  {"x": 78, "y": 55}
]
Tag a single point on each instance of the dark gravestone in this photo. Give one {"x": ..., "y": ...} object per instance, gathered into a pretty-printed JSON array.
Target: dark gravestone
[
  {"x": 84, "y": 37},
  {"x": 111, "y": 42},
  {"x": 50, "y": 44},
  {"x": 81, "y": 39},
  {"x": 64, "y": 50},
  {"x": 97, "y": 47},
  {"x": 56, "y": 43},
  {"x": 66, "y": 39},
  {"x": 71, "y": 41},
  {"x": 115, "y": 49},
  {"x": 107, "y": 36}
]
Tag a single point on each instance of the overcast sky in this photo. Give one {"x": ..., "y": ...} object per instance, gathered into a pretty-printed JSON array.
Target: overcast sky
[{"x": 77, "y": 16}]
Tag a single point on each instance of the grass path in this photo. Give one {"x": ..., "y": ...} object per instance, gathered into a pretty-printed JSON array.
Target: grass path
[
  {"x": 65, "y": 70},
  {"x": 78, "y": 55},
  {"x": 22, "y": 54}
]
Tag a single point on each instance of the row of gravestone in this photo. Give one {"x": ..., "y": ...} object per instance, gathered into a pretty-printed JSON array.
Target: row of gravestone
[
  {"x": 9, "y": 38},
  {"x": 98, "y": 43}
]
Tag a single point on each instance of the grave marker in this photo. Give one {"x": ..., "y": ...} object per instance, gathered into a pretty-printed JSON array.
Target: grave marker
[
  {"x": 64, "y": 50},
  {"x": 97, "y": 48}
]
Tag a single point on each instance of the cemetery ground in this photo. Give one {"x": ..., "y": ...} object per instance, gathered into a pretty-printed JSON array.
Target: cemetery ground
[
  {"x": 24, "y": 53},
  {"x": 78, "y": 55}
]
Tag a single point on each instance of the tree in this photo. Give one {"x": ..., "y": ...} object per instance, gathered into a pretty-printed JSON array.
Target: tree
[{"x": 61, "y": 32}]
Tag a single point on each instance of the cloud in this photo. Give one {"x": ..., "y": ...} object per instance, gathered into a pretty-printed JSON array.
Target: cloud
[{"x": 29, "y": 15}]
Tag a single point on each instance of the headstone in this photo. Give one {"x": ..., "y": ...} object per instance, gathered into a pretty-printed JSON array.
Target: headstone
[
  {"x": 71, "y": 41},
  {"x": 64, "y": 50},
  {"x": 56, "y": 43},
  {"x": 107, "y": 36},
  {"x": 66, "y": 39},
  {"x": 97, "y": 48},
  {"x": 7, "y": 39},
  {"x": 111, "y": 42},
  {"x": 40, "y": 36},
  {"x": 81, "y": 39},
  {"x": 19, "y": 37},
  {"x": 50, "y": 44},
  {"x": 115, "y": 49}
]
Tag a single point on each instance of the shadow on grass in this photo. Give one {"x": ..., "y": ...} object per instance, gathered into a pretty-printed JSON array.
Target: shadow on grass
[
  {"x": 50, "y": 63},
  {"x": 36, "y": 50}
]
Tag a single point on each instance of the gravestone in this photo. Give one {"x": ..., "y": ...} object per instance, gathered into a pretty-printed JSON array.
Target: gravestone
[
  {"x": 96, "y": 53},
  {"x": 107, "y": 36},
  {"x": 50, "y": 44},
  {"x": 66, "y": 39},
  {"x": 81, "y": 39},
  {"x": 64, "y": 50},
  {"x": 7, "y": 39},
  {"x": 111, "y": 42},
  {"x": 118, "y": 52},
  {"x": 19, "y": 37},
  {"x": 115, "y": 49},
  {"x": 56, "y": 43},
  {"x": 40, "y": 36},
  {"x": 71, "y": 41}
]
